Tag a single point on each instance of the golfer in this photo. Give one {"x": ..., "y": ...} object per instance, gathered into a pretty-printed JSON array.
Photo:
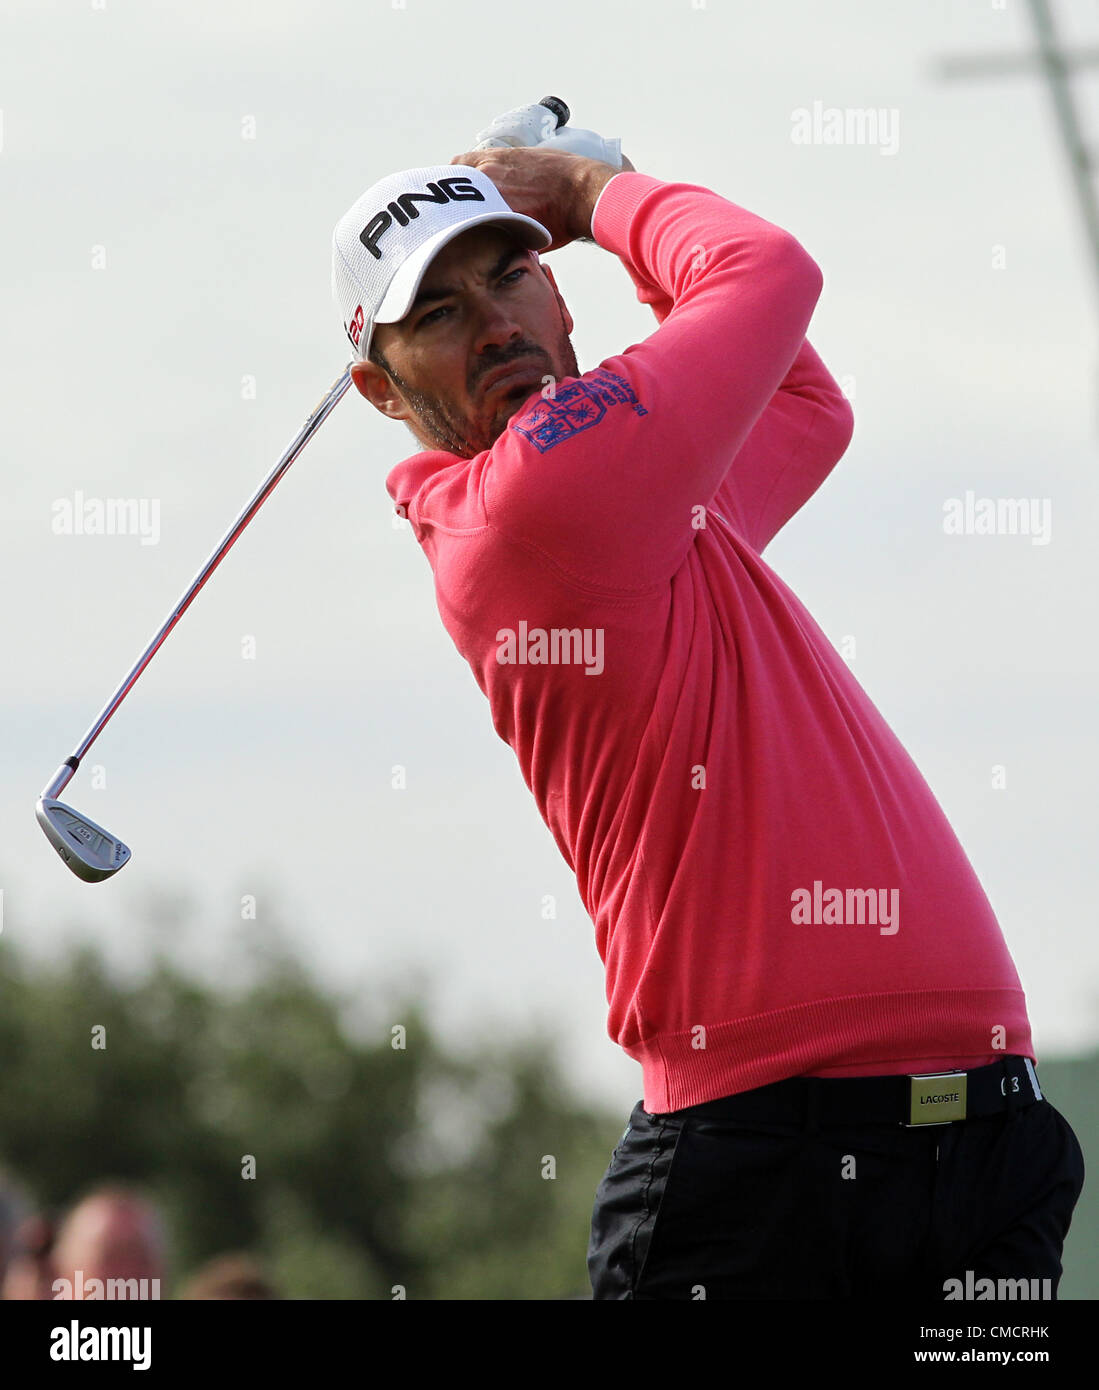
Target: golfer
[{"x": 840, "y": 1097}]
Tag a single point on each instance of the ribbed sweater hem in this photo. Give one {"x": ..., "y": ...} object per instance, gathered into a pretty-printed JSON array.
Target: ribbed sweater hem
[{"x": 692, "y": 1067}]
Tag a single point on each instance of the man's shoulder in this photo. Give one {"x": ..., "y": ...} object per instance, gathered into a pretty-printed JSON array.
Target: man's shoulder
[{"x": 568, "y": 408}]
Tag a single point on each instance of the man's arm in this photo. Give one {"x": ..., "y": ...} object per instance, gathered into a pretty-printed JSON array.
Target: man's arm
[
  {"x": 606, "y": 477},
  {"x": 795, "y": 444},
  {"x": 797, "y": 441}
]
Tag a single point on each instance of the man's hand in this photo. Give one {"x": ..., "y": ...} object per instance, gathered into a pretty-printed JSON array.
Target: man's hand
[{"x": 557, "y": 189}]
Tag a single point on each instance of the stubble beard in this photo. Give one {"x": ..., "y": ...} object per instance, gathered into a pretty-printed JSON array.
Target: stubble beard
[{"x": 441, "y": 425}]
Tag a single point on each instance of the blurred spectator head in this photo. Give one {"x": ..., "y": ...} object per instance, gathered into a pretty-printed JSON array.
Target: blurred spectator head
[
  {"x": 13, "y": 1208},
  {"x": 111, "y": 1233},
  {"x": 229, "y": 1276},
  {"x": 30, "y": 1273}
]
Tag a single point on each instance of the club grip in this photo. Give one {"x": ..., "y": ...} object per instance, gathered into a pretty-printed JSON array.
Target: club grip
[{"x": 559, "y": 109}]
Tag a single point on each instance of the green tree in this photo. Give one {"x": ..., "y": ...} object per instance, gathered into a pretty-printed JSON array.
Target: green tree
[{"x": 179, "y": 1087}]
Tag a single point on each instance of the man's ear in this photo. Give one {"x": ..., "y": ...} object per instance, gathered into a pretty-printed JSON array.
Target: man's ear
[
  {"x": 566, "y": 316},
  {"x": 375, "y": 385}
]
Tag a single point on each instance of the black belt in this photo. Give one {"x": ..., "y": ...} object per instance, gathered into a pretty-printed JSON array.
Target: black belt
[{"x": 913, "y": 1101}]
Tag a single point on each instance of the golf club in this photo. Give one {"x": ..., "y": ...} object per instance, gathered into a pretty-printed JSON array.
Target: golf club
[{"x": 90, "y": 851}]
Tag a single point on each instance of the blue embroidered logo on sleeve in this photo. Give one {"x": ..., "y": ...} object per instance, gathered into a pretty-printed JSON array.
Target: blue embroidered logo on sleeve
[{"x": 578, "y": 405}]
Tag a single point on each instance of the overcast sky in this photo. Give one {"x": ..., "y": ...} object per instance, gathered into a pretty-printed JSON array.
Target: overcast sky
[{"x": 169, "y": 179}]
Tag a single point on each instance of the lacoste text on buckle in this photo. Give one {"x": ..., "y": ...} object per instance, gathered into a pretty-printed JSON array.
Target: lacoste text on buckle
[{"x": 937, "y": 1098}]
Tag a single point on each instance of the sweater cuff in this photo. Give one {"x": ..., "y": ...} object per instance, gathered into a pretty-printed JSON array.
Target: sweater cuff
[{"x": 615, "y": 206}]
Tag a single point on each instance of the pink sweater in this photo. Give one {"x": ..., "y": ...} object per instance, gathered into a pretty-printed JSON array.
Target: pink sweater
[{"x": 774, "y": 888}]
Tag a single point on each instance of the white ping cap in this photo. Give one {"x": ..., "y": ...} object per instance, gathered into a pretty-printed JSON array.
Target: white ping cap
[{"x": 384, "y": 243}]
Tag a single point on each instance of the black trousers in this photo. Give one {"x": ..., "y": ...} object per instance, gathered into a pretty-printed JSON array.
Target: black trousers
[{"x": 705, "y": 1203}]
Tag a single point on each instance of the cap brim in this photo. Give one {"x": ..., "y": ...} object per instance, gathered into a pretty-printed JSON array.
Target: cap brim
[{"x": 402, "y": 288}]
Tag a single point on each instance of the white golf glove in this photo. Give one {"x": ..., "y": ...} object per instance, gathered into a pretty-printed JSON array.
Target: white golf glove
[{"x": 536, "y": 125}]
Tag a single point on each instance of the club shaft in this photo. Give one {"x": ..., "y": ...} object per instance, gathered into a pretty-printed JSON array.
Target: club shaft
[{"x": 251, "y": 507}]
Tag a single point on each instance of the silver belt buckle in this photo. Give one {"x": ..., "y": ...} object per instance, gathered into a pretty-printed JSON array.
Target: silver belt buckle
[{"x": 936, "y": 1098}]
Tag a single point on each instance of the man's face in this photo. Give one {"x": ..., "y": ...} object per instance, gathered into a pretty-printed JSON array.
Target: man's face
[{"x": 485, "y": 307}]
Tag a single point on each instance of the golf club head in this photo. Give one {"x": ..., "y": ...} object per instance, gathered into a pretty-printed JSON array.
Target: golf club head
[{"x": 91, "y": 852}]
